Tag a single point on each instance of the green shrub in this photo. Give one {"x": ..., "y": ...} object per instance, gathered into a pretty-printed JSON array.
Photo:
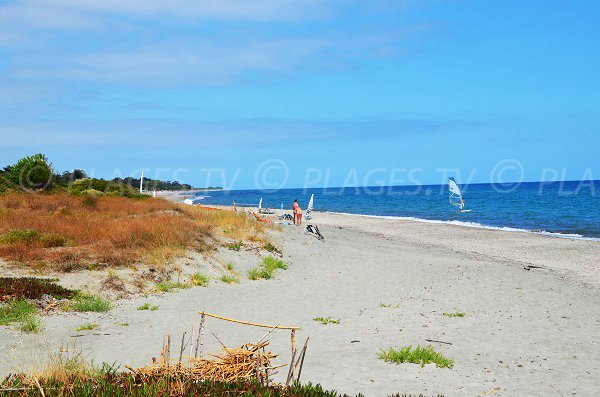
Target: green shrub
[
  {"x": 420, "y": 355},
  {"x": 267, "y": 269},
  {"x": 169, "y": 286},
  {"x": 147, "y": 306},
  {"x": 200, "y": 279},
  {"x": 272, "y": 264},
  {"x": 32, "y": 172},
  {"x": 230, "y": 279},
  {"x": 89, "y": 303}
]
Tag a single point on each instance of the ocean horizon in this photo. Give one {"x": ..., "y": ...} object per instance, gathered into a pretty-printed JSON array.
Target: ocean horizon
[{"x": 569, "y": 209}]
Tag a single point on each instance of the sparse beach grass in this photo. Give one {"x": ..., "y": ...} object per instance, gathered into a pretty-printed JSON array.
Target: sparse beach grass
[
  {"x": 326, "y": 320},
  {"x": 419, "y": 355},
  {"x": 171, "y": 286},
  {"x": 199, "y": 279},
  {"x": 230, "y": 279},
  {"x": 147, "y": 306},
  {"x": 457, "y": 314},
  {"x": 389, "y": 305},
  {"x": 266, "y": 270},
  {"x": 31, "y": 324},
  {"x": 22, "y": 312},
  {"x": 87, "y": 327},
  {"x": 89, "y": 303}
]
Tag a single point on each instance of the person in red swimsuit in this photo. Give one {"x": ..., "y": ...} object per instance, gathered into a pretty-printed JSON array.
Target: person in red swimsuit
[{"x": 297, "y": 213}]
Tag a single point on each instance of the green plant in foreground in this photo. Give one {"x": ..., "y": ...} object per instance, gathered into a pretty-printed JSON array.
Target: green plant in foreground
[
  {"x": 169, "y": 286},
  {"x": 230, "y": 279},
  {"x": 89, "y": 303},
  {"x": 258, "y": 272},
  {"x": 147, "y": 306},
  {"x": 327, "y": 320},
  {"x": 200, "y": 279},
  {"x": 419, "y": 355},
  {"x": 124, "y": 324},
  {"x": 87, "y": 327},
  {"x": 457, "y": 314},
  {"x": 16, "y": 310},
  {"x": 31, "y": 324}
]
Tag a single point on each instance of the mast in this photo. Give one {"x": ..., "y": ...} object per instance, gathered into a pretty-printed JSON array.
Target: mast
[{"x": 141, "y": 181}]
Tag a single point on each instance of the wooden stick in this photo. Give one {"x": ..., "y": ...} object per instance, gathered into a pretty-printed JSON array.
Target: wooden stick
[
  {"x": 249, "y": 323},
  {"x": 302, "y": 361},
  {"x": 202, "y": 321},
  {"x": 438, "y": 341},
  {"x": 292, "y": 366},
  {"x": 39, "y": 387},
  {"x": 182, "y": 348}
]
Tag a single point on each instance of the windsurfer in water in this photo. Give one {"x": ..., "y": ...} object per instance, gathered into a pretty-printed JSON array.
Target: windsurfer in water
[{"x": 297, "y": 213}]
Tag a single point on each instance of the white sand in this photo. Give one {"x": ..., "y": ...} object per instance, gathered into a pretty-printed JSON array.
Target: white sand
[{"x": 526, "y": 332}]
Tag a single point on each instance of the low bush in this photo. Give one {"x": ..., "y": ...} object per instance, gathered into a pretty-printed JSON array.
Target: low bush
[
  {"x": 32, "y": 288},
  {"x": 419, "y": 355},
  {"x": 89, "y": 303},
  {"x": 147, "y": 306},
  {"x": 230, "y": 279},
  {"x": 199, "y": 279},
  {"x": 170, "y": 286}
]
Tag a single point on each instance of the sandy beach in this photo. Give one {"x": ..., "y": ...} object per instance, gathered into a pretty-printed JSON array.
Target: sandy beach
[{"x": 531, "y": 304}]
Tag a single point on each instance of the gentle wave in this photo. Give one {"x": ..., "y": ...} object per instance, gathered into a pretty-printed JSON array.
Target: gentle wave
[{"x": 474, "y": 225}]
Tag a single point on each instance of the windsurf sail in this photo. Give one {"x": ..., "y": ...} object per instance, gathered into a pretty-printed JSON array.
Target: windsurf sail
[
  {"x": 309, "y": 209},
  {"x": 260, "y": 204},
  {"x": 456, "y": 198}
]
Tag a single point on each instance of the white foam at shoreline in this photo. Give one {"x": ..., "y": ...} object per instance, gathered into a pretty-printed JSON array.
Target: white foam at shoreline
[{"x": 472, "y": 225}]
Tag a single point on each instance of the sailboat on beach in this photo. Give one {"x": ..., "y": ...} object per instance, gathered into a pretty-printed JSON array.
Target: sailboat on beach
[{"x": 456, "y": 197}]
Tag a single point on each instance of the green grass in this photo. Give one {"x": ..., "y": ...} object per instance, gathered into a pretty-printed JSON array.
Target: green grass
[
  {"x": 389, "y": 305},
  {"x": 235, "y": 246},
  {"x": 273, "y": 264},
  {"x": 419, "y": 355},
  {"x": 258, "y": 272},
  {"x": 267, "y": 269},
  {"x": 89, "y": 303},
  {"x": 31, "y": 324},
  {"x": 326, "y": 320},
  {"x": 147, "y": 306},
  {"x": 231, "y": 268},
  {"x": 230, "y": 279},
  {"x": 124, "y": 324},
  {"x": 170, "y": 286},
  {"x": 457, "y": 314},
  {"x": 200, "y": 279},
  {"x": 16, "y": 310},
  {"x": 87, "y": 327},
  {"x": 23, "y": 312}
]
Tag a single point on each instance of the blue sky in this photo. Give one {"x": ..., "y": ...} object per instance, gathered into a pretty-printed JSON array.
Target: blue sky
[{"x": 290, "y": 92}]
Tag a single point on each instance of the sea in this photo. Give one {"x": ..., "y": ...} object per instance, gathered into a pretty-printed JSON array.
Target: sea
[{"x": 564, "y": 209}]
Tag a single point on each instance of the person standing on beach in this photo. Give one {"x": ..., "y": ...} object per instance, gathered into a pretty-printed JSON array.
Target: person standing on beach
[{"x": 297, "y": 213}]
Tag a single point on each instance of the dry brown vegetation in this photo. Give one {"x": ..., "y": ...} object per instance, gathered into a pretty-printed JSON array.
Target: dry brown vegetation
[{"x": 67, "y": 232}]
